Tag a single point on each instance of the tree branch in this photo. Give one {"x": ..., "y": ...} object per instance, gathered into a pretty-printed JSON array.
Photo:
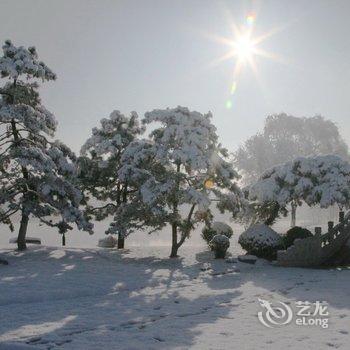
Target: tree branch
[
  {"x": 8, "y": 214},
  {"x": 104, "y": 206}
]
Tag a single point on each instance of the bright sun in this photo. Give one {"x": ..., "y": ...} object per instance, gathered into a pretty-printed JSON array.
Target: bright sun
[{"x": 244, "y": 48}]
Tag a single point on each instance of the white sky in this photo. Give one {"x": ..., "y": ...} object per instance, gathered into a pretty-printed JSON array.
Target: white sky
[{"x": 141, "y": 55}]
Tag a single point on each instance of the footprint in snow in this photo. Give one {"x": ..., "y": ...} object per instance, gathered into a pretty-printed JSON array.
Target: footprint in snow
[
  {"x": 159, "y": 339},
  {"x": 333, "y": 345}
]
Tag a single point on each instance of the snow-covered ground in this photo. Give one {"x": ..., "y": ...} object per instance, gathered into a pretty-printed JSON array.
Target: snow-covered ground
[{"x": 91, "y": 298}]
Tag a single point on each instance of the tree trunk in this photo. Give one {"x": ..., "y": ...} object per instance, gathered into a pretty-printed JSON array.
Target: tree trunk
[
  {"x": 125, "y": 193},
  {"x": 174, "y": 246},
  {"x": 21, "y": 239},
  {"x": 118, "y": 194},
  {"x": 123, "y": 196},
  {"x": 121, "y": 241},
  {"x": 294, "y": 215}
]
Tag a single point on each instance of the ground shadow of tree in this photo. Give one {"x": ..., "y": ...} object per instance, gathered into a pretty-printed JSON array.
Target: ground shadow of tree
[
  {"x": 304, "y": 284},
  {"x": 77, "y": 296}
]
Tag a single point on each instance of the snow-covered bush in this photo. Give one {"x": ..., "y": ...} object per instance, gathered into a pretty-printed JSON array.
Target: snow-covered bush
[
  {"x": 37, "y": 174},
  {"x": 323, "y": 180},
  {"x": 216, "y": 228},
  {"x": 176, "y": 173},
  {"x": 295, "y": 233},
  {"x": 261, "y": 240},
  {"x": 107, "y": 242},
  {"x": 100, "y": 162},
  {"x": 220, "y": 244}
]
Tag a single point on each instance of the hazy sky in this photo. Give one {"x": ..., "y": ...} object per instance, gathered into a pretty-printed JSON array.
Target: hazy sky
[{"x": 140, "y": 55}]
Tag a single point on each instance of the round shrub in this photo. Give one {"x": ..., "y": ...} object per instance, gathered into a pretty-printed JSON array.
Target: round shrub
[
  {"x": 261, "y": 240},
  {"x": 295, "y": 233},
  {"x": 216, "y": 228},
  {"x": 107, "y": 242},
  {"x": 219, "y": 245}
]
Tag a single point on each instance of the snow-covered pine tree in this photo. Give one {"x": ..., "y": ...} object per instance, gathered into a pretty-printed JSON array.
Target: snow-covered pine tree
[
  {"x": 284, "y": 138},
  {"x": 100, "y": 163},
  {"x": 37, "y": 174},
  {"x": 319, "y": 180},
  {"x": 178, "y": 173}
]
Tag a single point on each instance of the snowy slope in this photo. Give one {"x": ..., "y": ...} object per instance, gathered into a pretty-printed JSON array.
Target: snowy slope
[{"x": 54, "y": 298}]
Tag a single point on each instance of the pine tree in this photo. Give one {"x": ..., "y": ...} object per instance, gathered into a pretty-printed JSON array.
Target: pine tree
[
  {"x": 319, "y": 180},
  {"x": 37, "y": 174},
  {"x": 177, "y": 174},
  {"x": 100, "y": 163}
]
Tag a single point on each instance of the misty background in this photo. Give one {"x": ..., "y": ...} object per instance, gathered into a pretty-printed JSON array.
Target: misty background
[{"x": 141, "y": 55}]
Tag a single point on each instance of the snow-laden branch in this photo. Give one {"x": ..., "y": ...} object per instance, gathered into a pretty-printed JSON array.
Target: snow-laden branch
[{"x": 323, "y": 180}]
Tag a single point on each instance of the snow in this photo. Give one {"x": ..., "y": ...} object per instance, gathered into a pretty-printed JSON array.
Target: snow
[
  {"x": 250, "y": 259},
  {"x": 323, "y": 180},
  {"x": 54, "y": 298},
  {"x": 261, "y": 234},
  {"x": 115, "y": 132},
  {"x": 19, "y": 60},
  {"x": 13, "y": 240},
  {"x": 16, "y": 346},
  {"x": 221, "y": 228},
  {"x": 220, "y": 240}
]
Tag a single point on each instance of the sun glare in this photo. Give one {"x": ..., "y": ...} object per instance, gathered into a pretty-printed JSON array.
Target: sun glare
[{"x": 243, "y": 49}]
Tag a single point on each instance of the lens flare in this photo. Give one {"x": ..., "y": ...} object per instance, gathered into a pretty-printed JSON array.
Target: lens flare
[
  {"x": 233, "y": 88},
  {"x": 208, "y": 184},
  {"x": 250, "y": 19}
]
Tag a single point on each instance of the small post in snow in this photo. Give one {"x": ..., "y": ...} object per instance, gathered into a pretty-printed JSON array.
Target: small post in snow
[
  {"x": 330, "y": 225},
  {"x": 318, "y": 231}
]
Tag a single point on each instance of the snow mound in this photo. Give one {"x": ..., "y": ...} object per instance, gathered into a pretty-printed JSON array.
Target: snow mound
[
  {"x": 220, "y": 240},
  {"x": 260, "y": 240},
  {"x": 107, "y": 242},
  {"x": 221, "y": 228},
  {"x": 219, "y": 245},
  {"x": 261, "y": 234}
]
